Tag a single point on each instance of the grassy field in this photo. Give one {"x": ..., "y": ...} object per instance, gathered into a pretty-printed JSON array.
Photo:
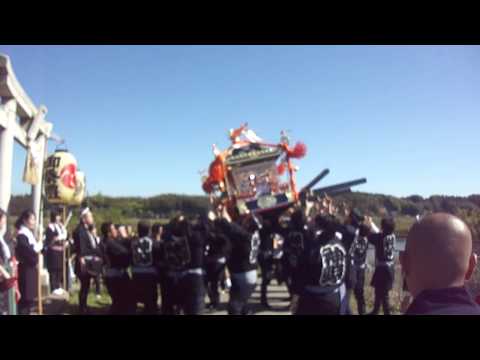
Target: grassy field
[
  {"x": 402, "y": 224},
  {"x": 96, "y": 306}
]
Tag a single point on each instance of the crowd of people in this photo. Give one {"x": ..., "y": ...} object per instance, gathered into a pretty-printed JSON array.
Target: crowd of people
[{"x": 317, "y": 250}]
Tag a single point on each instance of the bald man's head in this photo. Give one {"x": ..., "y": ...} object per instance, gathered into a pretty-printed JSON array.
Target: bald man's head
[{"x": 438, "y": 253}]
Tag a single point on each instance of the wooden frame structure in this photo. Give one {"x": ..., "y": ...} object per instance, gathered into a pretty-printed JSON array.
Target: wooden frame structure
[{"x": 25, "y": 123}]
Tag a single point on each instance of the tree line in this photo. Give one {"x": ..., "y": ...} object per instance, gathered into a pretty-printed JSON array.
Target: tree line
[{"x": 124, "y": 209}]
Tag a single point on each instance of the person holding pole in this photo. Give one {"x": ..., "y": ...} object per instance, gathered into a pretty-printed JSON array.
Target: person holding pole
[
  {"x": 55, "y": 238},
  {"x": 88, "y": 260},
  {"x": 97, "y": 279},
  {"x": 27, "y": 250},
  {"x": 66, "y": 251},
  {"x": 242, "y": 260}
]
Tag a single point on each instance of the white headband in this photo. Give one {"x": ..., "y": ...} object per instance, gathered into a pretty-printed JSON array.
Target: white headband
[{"x": 85, "y": 212}]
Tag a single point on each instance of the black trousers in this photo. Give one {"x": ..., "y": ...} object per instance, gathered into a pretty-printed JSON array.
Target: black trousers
[
  {"x": 286, "y": 274},
  {"x": 25, "y": 306},
  {"x": 191, "y": 294},
  {"x": 266, "y": 267},
  {"x": 357, "y": 284},
  {"x": 146, "y": 292},
  {"x": 85, "y": 280},
  {"x": 381, "y": 300},
  {"x": 163, "y": 287},
  {"x": 214, "y": 272},
  {"x": 243, "y": 286},
  {"x": 360, "y": 297},
  {"x": 223, "y": 279},
  {"x": 56, "y": 278},
  {"x": 120, "y": 291},
  {"x": 382, "y": 281},
  {"x": 333, "y": 303},
  {"x": 182, "y": 292},
  {"x": 97, "y": 280},
  {"x": 168, "y": 291},
  {"x": 68, "y": 280}
]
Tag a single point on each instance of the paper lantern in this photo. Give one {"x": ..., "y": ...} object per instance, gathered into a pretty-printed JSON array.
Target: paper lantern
[{"x": 63, "y": 183}]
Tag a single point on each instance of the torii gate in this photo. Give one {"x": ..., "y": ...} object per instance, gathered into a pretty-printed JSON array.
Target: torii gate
[{"x": 23, "y": 122}]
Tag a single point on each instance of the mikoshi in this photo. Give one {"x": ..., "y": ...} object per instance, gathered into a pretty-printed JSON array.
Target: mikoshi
[{"x": 252, "y": 175}]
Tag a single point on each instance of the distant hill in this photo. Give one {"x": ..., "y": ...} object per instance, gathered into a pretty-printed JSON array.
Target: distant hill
[
  {"x": 467, "y": 208},
  {"x": 411, "y": 205},
  {"x": 164, "y": 206}
]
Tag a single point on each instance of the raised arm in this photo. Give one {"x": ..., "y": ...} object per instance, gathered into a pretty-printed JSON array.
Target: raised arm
[{"x": 373, "y": 227}]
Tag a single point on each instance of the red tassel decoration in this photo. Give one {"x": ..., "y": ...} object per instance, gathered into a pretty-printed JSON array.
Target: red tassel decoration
[
  {"x": 281, "y": 168},
  {"x": 299, "y": 151},
  {"x": 216, "y": 171},
  {"x": 207, "y": 186}
]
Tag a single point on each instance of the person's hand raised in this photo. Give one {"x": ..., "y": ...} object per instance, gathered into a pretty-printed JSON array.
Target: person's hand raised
[
  {"x": 346, "y": 209},
  {"x": 225, "y": 214},
  {"x": 330, "y": 206},
  {"x": 368, "y": 220},
  {"x": 309, "y": 204}
]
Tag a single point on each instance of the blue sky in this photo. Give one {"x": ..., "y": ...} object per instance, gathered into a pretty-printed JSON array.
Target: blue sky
[{"x": 141, "y": 119}]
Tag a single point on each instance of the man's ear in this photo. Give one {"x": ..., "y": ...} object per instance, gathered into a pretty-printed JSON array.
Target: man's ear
[{"x": 471, "y": 266}]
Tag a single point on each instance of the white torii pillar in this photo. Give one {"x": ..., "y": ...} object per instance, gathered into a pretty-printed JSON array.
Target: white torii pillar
[
  {"x": 7, "y": 116},
  {"x": 31, "y": 127},
  {"x": 7, "y": 137}
]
